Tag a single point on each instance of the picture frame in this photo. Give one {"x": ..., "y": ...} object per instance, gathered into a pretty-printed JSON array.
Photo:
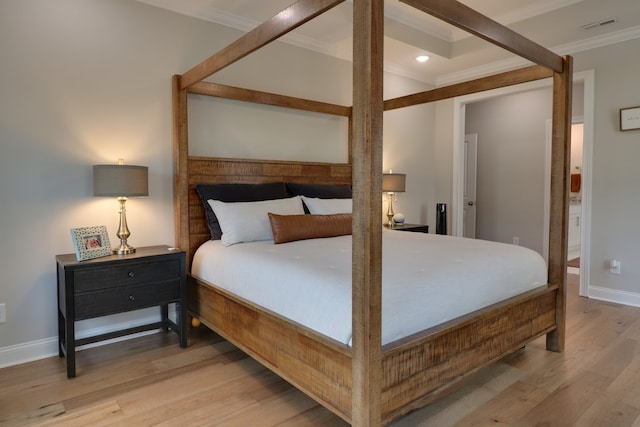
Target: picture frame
[
  {"x": 630, "y": 118},
  {"x": 91, "y": 242}
]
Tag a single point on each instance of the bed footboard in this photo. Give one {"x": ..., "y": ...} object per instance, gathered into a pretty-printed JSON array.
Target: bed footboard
[
  {"x": 416, "y": 370},
  {"x": 315, "y": 364},
  {"x": 420, "y": 368}
]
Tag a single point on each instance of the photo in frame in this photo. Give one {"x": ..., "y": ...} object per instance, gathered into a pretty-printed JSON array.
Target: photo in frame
[
  {"x": 90, "y": 242},
  {"x": 630, "y": 118}
]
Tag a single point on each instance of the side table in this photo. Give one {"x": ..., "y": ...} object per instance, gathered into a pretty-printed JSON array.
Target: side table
[
  {"x": 152, "y": 276},
  {"x": 417, "y": 228}
]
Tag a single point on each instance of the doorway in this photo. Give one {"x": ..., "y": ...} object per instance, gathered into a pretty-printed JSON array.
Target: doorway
[
  {"x": 458, "y": 179},
  {"x": 575, "y": 198}
]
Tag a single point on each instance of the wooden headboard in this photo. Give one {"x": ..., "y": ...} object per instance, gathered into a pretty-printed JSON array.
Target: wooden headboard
[{"x": 212, "y": 170}]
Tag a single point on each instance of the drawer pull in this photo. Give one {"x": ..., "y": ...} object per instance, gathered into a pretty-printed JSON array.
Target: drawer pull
[
  {"x": 132, "y": 298},
  {"x": 131, "y": 274}
]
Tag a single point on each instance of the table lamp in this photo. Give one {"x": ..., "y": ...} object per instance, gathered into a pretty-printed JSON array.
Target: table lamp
[
  {"x": 121, "y": 181},
  {"x": 392, "y": 183}
]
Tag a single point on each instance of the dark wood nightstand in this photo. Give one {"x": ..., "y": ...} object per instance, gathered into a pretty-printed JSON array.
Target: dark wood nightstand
[
  {"x": 418, "y": 228},
  {"x": 152, "y": 276}
]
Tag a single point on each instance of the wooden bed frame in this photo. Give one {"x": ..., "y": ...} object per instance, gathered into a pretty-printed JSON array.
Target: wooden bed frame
[{"x": 369, "y": 384}]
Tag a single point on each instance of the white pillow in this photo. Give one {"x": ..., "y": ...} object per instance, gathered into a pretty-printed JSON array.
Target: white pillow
[
  {"x": 249, "y": 221},
  {"x": 328, "y": 206}
]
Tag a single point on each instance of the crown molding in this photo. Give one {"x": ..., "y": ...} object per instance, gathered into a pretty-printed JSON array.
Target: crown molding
[
  {"x": 218, "y": 16},
  {"x": 564, "y": 49},
  {"x": 231, "y": 20},
  {"x": 532, "y": 10},
  {"x": 620, "y": 36}
]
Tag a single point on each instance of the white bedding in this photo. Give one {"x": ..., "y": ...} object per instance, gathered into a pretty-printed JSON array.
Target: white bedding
[{"x": 427, "y": 278}]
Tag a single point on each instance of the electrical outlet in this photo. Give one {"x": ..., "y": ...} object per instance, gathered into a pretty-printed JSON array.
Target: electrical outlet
[
  {"x": 614, "y": 266},
  {"x": 3, "y": 313},
  {"x": 516, "y": 240}
]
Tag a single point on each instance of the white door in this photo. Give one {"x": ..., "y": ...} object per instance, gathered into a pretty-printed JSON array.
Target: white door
[{"x": 469, "y": 196}]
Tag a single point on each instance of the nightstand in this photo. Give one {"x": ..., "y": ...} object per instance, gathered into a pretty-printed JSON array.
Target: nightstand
[
  {"x": 152, "y": 276},
  {"x": 418, "y": 228}
]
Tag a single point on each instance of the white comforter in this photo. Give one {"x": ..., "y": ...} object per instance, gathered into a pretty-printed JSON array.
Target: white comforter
[{"x": 427, "y": 279}]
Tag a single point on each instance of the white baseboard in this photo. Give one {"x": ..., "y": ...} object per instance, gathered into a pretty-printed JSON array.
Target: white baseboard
[
  {"x": 614, "y": 295},
  {"x": 48, "y": 347},
  {"x": 28, "y": 352}
]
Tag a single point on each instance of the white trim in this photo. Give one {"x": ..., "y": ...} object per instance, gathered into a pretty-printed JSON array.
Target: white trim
[
  {"x": 513, "y": 63},
  {"x": 615, "y": 296},
  {"x": 457, "y": 180},
  {"x": 28, "y": 352},
  {"x": 546, "y": 205},
  {"x": 221, "y": 17},
  {"x": 589, "y": 80},
  {"x": 531, "y": 10},
  {"x": 48, "y": 347}
]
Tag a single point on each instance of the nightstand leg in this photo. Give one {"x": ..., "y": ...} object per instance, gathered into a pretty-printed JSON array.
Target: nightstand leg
[
  {"x": 70, "y": 345},
  {"x": 181, "y": 313},
  {"x": 164, "y": 316},
  {"x": 62, "y": 339}
]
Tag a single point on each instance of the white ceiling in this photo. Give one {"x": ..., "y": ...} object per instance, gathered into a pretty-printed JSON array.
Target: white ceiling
[{"x": 455, "y": 56}]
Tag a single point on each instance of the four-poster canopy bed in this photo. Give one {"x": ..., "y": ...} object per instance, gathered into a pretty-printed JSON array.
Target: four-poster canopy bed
[{"x": 368, "y": 383}]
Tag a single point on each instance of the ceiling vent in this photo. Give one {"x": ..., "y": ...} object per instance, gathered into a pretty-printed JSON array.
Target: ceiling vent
[{"x": 598, "y": 24}]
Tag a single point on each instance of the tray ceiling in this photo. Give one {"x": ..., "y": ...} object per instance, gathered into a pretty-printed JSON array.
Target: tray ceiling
[{"x": 454, "y": 55}]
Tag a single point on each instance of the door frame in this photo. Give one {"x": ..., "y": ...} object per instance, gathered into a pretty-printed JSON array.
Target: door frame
[
  {"x": 472, "y": 138},
  {"x": 459, "y": 108}
]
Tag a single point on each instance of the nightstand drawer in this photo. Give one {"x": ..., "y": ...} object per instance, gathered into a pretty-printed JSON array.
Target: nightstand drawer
[
  {"x": 126, "y": 274},
  {"x": 125, "y": 298}
]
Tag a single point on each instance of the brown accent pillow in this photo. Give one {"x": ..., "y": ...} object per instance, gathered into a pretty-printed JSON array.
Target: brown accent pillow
[{"x": 288, "y": 228}]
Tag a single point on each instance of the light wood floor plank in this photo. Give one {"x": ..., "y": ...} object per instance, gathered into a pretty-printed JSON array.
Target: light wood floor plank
[
  {"x": 610, "y": 413},
  {"x": 151, "y": 381},
  {"x": 565, "y": 405},
  {"x": 507, "y": 407},
  {"x": 103, "y": 414}
]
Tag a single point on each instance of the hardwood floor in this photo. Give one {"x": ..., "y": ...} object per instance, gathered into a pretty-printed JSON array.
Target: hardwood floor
[{"x": 151, "y": 381}]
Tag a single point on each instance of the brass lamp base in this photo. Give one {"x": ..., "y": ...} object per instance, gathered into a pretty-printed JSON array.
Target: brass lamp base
[
  {"x": 124, "y": 249},
  {"x": 390, "y": 213},
  {"x": 123, "y": 231}
]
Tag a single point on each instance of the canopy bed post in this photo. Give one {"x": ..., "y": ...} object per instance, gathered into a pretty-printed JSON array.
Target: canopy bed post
[
  {"x": 180, "y": 167},
  {"x": 559, "y": 204},
  {"x": 368, "y": 18}
]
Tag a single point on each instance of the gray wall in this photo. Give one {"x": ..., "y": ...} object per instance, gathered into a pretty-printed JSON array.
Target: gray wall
[
  {"x": 89, "y": 81},
  {"x": 510, "y": 179},
  {"x": 616, "y": 176}
]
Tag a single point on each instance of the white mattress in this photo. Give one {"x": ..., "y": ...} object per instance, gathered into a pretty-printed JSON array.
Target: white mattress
[{"x": 427, "y": 278}]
